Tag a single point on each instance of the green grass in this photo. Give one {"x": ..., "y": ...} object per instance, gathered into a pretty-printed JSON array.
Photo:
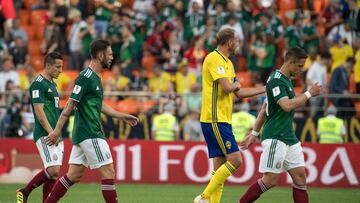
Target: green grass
[{"x": 140, "y": 193}]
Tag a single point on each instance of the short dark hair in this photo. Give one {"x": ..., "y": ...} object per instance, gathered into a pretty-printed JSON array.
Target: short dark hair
[
  {"x": 295, "y": 53},
  {"x": 98, "y": 46},
  {"x": 326, "y": 55},
  {"x": 225, "y": 35},
  {"x": 51, "y": 57},
  {"x": 351, "y": 60}
]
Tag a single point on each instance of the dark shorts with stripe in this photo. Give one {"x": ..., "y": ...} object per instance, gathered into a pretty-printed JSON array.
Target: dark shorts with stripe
[{"x": 219, "y": 138}]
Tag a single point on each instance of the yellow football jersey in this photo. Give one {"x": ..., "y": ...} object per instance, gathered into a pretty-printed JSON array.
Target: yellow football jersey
[{"x": 216, "y": 104}]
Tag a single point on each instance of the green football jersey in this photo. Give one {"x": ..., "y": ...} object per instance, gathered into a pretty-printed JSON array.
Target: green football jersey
[
  {"x": 278, "y": 123},
  {"x": 43, "y": 91},
  {"x": 88, "y": 92}
]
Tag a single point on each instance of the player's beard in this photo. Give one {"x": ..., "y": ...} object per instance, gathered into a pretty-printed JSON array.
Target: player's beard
[{"x": 105, "y": 64}]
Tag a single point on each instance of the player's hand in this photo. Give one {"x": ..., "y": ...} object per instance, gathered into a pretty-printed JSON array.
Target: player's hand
[
  {"x": 247, "y": 142},
  {"x": 53, "y": 138},
  {"x": 237, "y": 86},
  {"x": 315, "y": 89},
  {"x": 131, "y": 120}
]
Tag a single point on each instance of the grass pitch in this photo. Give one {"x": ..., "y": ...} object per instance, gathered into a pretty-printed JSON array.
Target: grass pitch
[{"x": 142, "y": 193}]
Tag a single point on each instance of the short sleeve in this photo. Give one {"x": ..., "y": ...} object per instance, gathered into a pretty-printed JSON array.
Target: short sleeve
[
  {"x": 37, "y": 93},
  {"x": 80, "y": 88},
  {"x": 217, "y": 70},
  {"x": 278, "y": 89}
]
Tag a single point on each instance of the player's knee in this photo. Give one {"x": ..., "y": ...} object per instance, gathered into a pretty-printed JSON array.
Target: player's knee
[
  {"x": 300, "y": 179},
  {"x": 74, "y": 177},
  {"x": 270, "y": 180},
  {"x": 53, "y": 171},
  {"x": 108, "y": 172}
]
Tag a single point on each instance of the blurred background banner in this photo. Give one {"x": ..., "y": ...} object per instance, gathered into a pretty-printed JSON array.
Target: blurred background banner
[{"x": 332, "y": 165}]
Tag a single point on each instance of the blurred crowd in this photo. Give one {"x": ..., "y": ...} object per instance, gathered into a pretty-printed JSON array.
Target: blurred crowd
[{"x": 159, "y": 47}]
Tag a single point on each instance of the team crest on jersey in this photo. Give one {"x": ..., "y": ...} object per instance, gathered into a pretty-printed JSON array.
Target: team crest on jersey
[
  {"x": 35, "y": 94},
  {"x": 55, "y": 157},
  {"x": 77, "y": 89},
  {"x": 228, "y": 144},
  {"x": 278, "y": 165},
  {"x": 220, "y": 70},
  {"x": 108, "y": 155}
]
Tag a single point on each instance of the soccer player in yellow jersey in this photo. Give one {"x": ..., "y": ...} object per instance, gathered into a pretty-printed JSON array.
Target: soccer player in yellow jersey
[{"x": 219, "y": 85}]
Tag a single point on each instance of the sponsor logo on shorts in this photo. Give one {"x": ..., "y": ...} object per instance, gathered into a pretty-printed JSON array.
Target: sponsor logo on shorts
[
  {"x": 108, "y": 155},
  {"x": 228, "y": 144},
  {"x": 55, "y": 157},
  {"x": 278, "y": 165}
]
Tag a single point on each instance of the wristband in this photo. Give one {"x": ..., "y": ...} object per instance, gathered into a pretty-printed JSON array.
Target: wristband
[
  {"x": 256, "y": 134},
  {"x": 307, "y": 94}
]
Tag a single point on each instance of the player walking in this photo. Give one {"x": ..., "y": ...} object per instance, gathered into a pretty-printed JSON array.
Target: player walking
[
  {"x": 282, "y": 150},
  {"x": 45, "y": 104},
  {"x": 89, "y": 145}
]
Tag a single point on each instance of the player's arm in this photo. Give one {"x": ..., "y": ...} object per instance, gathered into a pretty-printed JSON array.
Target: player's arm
[
  {"x": 53, "y": 136},
  {"x": 251, "y": 138},
  {"x": 250, "y": 92},
  {"x": 291, "y": 104},
  {"x": 129, "y": 119},
  {"x": 41, "y": 117},
  {"x": 228, "y": 87}
]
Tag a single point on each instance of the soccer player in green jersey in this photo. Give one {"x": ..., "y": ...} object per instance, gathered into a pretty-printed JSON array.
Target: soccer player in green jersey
[
  {"x": 89, "y": 145},
  {"x": 45, "y": 103},
  {"x": 282, "y": 150}
]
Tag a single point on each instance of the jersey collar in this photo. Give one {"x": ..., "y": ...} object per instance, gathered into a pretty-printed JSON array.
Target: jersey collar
[{"x": 221, "y": 55}]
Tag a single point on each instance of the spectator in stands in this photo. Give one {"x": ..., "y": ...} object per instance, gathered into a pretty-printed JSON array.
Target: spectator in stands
[
  {"x": 354, "y": 17},
  {"x": 333, "y": 15},
  {"x": 19, "y": 53},
  {"x": 75, "y": 41},
  {"x": 51, "y": 39},
  {"x": 317, "y": 73},
  {"x": 357, "y": 65},
  {"x": 121, "y": 81},
  {"x": 60, "y": 18},
  {"x": 194, "y": 22},
  {"x": 127, "y": 52},
  {"x": 330, "y": 129},
  {"x": 310, "y": 34},
  {"x": 103, "y": 14},
  {"x": 160, "y": 81},
  {"x": 139, "y": 81},
  {"x": 266, "y": 60},
  {"x": 8, "y": 73},
  {"x": 142, "y": 8},
  {"x": 192, "y": 128},
  {"x": 193, "y": 98},
  {"x": 276, "y": 24},
  {"x": 339, "y": 84},
  {"x": 343, "y": 31},
  {"x": 167, "y": 10},
  {"x": 28, "y": 120},
  {"x": 184, "y": 79},
  {"x": 220, "y": 17},
  {"x": 165, "y": 126},
  {"x": 155, "y": 42},
  {"x": 340, "y": 51},
  {"x": 210, "y": 34},
  {"x": 174, "y": 51},
  {"x": 16, "y": 31},
  {"x": 12, "y": 121},
  {"x": 88, "y": 34},
  {"x": 293, "y": 33},
  {"x": 196, "y": 54},
  {"x": 114, "y": 35},
  {"x": 242, "y": 121}
]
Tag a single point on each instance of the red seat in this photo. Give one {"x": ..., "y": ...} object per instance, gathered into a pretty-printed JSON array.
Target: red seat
[
  {"x": 148, "y": 62},
  {"x": 128, "y": 106},
  {"x": 34, "y": 47},
  {"x": 24, "y": 17},
  {"x": 37, "y": 62}
]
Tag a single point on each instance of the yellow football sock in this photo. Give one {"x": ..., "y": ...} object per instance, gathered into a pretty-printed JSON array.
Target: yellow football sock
[
  {"x": 216, "y": 195},
  {"x": 218, "y": 179}
]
